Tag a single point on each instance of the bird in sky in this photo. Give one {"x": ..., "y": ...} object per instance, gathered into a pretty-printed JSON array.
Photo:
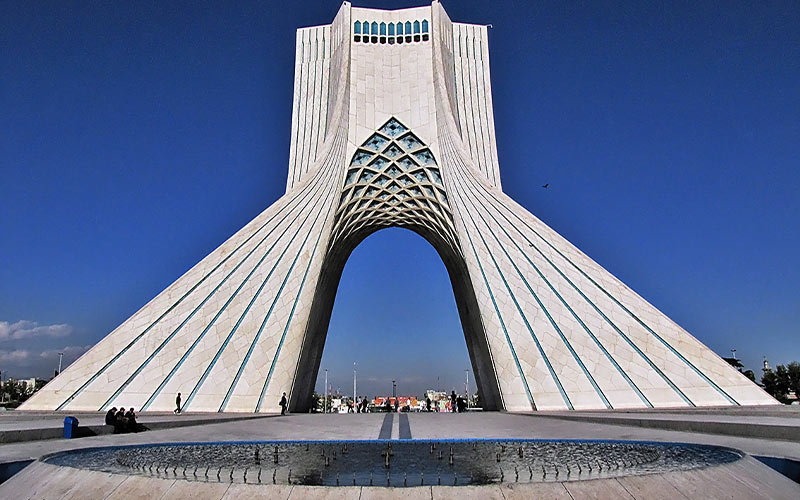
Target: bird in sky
[{"x": 546, "y": 185}]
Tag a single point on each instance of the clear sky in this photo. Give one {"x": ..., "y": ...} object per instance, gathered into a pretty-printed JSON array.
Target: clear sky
[{"x": 135, "y": 137}]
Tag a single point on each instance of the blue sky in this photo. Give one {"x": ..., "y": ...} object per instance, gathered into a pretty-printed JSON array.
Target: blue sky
[{"x": 137, "y": 136}]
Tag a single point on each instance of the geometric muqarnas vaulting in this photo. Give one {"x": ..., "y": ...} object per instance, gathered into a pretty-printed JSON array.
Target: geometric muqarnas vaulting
[{"x": 393, "y": 126}]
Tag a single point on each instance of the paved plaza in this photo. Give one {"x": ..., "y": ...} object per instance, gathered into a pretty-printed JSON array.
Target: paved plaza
[{"x": 489, "y": 425}]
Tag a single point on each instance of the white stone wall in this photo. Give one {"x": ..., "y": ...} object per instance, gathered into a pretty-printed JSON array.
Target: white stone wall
[{"x": 561, "y": 331}]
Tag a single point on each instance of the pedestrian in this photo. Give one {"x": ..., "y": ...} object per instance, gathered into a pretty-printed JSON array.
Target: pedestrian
[
  {"x": 177, "y": 404},
  {"x": 453, "y": 402},
  {"x": 364, "y": 405},
  {"x": 358, "y": 405},
  {"x": 283, "y": 404},
  {"x": 427, "y": 403},
  {"x": 388, "y": 406},
  {"x": 396, "y": 404}
]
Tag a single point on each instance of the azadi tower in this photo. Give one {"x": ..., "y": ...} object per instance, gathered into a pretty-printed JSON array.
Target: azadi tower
[{"x": 393, "y": 126}]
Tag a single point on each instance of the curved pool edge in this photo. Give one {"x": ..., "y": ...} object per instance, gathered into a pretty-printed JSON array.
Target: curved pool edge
[{"x": 748, "y": 477}]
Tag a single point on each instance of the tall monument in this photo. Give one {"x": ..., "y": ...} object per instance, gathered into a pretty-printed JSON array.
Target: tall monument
[{"x": 393, "y": 126}]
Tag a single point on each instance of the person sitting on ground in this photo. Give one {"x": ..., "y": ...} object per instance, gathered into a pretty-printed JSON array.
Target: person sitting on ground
[
  {"x": 111, "y": 416},
  {"x": 119, "y": 421},
  {"x": 130, "y": 416}
]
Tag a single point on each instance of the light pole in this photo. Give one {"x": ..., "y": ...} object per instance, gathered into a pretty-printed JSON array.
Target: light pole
[
  {"x": 466, "y": 387},
  {"x": 394, "y": 390},
  {"x": 60, "y": 356},
  {"x": 325, "y": 403},
  {"x": 733, "y": 352},
  {"x": 354, "y": 383}
]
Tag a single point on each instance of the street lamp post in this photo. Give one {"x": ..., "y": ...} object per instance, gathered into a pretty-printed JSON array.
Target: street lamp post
[
  {"x": 354, "y": 383},
  {"x": 394, "y": 390},
  {"x": 325, "y": 403},
  {"x": 60, "y": 356},
  {"x": 466, "y": 387}
]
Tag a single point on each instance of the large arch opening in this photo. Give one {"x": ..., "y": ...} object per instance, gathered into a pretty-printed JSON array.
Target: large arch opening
[{"x": 322, "y": 308}]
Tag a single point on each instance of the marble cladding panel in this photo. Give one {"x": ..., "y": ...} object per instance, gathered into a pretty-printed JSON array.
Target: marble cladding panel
[
  {"x": 473, "y": 94},
  {"x": 309, "y": 109},
  {"x": 561, "y": 331}
]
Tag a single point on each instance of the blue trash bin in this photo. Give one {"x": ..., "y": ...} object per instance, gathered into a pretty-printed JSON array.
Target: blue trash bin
[{"x": 70, "y": 427}]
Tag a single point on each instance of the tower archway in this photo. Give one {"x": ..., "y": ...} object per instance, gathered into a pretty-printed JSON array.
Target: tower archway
[{"x": 393, "y": 180}]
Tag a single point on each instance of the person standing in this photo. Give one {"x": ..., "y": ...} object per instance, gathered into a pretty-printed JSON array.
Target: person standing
[
  {"x": 177, "y": 409},
  {"x": 283, "y": 404},
  {"x": 427, "y": 403},
  {"x": 453, "y": 402}
]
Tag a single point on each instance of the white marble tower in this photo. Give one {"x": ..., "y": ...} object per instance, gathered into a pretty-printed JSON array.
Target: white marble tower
[{"x": 393, "y": 125}]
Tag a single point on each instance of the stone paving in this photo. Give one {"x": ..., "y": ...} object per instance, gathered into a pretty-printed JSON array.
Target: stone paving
[
  {"x": 744, "y": 479},
  {"x": 419, "y": 426}
]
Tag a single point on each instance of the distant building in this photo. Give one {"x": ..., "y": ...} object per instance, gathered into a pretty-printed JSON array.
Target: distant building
[{"x": 29, "y": 385}]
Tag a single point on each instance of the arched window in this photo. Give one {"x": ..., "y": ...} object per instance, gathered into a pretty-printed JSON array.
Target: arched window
[
  {"x": 391, "y": 29},
  {"x": 399, "y": 28},
  {"x": 416, "y": 27},
  {"x": 357, "y": 28},
  {"x": 374, "y": 28},
  {"x": 383, "y": 29},
  {"x": 408, "y": 27},
  {"x": 425, "y": 26}
]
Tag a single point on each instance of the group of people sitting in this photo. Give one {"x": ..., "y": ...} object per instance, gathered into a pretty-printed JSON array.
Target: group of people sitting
[{"x": 121, "y": 420}]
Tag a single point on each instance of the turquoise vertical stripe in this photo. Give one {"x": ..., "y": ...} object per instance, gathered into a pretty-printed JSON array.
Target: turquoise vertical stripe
[
  {"x": 224, "y": 307},
  {"x": 263, "y": 324},
  {"x": 611, "y": 323},
  {"x": 554, "y": 324},
  {"x": 288, "y": 323},
  {"x": 550, "y": 369},
  {"x": 173, "y": 306}
]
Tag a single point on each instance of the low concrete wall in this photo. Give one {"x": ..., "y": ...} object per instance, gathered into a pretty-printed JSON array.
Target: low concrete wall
[
  {"x": 37, "y": 434},
  {"x": 750, "y": 430}
]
